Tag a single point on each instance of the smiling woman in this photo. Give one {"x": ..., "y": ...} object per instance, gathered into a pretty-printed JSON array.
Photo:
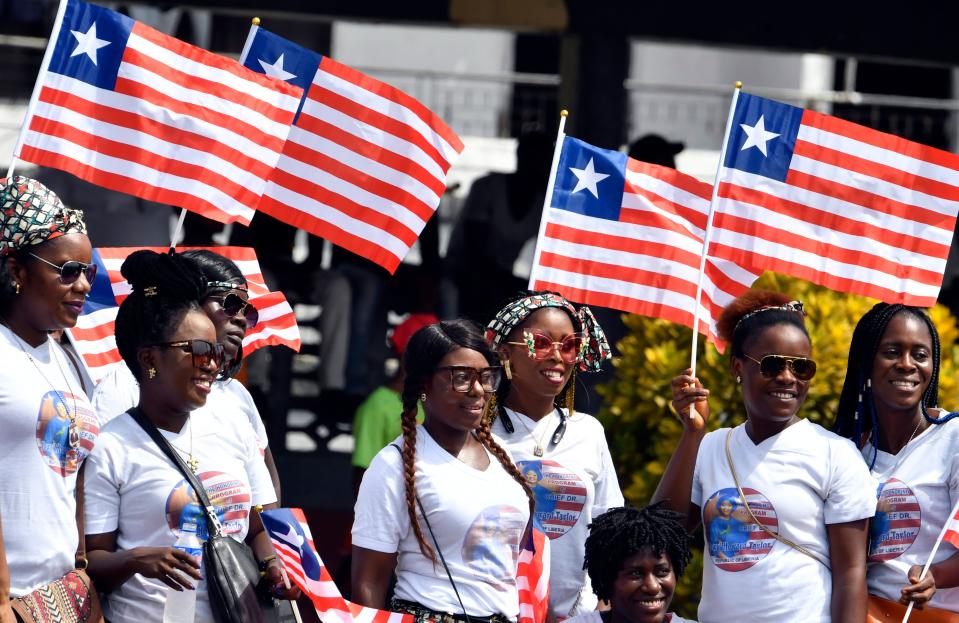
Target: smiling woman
[
  {"x": 138, "y": 502},
  {"x": 888, "y": 408},
  {"x": 48, "y": 425},
  {"x": 443, "y": 506},
  {"x": 778, "y": 496}
]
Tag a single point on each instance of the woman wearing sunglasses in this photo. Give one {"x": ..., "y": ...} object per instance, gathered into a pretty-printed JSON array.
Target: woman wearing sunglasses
[
  {"x": 226, "y": 302},
  {"x": 443, "y": 506},
  {"x": 542, "y": 340},
  {"x": 138, "y": 503},
  {"x": 888, "y": 409},
  {"x": 48, "y": 425},
  {"x": 799, "y": 494}
]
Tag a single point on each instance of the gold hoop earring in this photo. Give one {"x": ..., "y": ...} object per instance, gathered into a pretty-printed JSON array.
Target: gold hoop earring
[
  {"x": 507, "y": 371},
  {"x": 152, "y": 373},
  {"x": 423, "y": 397}
]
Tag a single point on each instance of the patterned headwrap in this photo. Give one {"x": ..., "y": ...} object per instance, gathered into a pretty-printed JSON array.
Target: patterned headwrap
[
  {"x": 597, "y": 348},
  {"x": 31, "y": 213}
]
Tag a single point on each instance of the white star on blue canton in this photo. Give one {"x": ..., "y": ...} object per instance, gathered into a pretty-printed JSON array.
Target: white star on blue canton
[
  {"x": 587, "y": 179},
  {"x": 275, "y": 70},
  {"x": 87, "y": 43},
  {"x": 757, "y": 136}
]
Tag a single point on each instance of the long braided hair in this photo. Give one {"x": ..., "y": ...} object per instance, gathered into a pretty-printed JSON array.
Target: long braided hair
[
  {"x": 857, "y": 409},
  {"x": 622, "y": 532},
  {"x": 423, "y": 353}
]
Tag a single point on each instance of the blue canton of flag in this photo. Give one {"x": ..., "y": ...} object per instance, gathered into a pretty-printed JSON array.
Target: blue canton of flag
[
  {"x": 285, "y": 527},
  {"x": 279, "y": 58},
  {"x": 91, "y": 44},
  {"x": 762, "y": 137},
  {"x": 589, "y": 180},
  {"x": 101, "y": 292}
]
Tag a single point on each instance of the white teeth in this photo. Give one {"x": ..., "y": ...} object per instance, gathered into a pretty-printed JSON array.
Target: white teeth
[
  {"x": 904, "y": 383},
  {"x": 784, "y": 395},
  {"x": 651, "y": 602},
  {"x": 552, "y": 374}
]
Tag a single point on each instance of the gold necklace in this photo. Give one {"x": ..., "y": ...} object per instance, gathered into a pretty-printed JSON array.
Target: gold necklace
[
  {"x": 538, "y": 449},
  {"x": 191, "y": 462},
  {"x": 73, "y": 435}
]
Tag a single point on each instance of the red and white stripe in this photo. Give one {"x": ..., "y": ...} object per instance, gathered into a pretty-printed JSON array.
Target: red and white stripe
[
  {"x": 183, "y": 126},
  {"x": 532, "y": 578},
  {"x": 93, "y": 335},
  {"x": 648, "y": 261},
  {"x": 364, "y": 167},
  {"x": 860, "y": 211}
]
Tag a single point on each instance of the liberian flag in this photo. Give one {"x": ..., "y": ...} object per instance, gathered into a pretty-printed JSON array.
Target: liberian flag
[
  {"x": 294, "y": 547},
  {"x": 629, "y": 235},
  {"x": 365, "y": 165},
  {"x": 93, "y": 336},
  {"x": 532, "y": 577},
  {"x": 131, "y": 109},
  {"x": 850, "y": 208}
]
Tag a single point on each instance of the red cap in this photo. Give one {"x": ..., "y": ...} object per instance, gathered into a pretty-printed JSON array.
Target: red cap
[{"x": 402, "y": 334}]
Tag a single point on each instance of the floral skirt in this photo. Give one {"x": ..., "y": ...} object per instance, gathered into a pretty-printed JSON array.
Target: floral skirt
[{"x": 422, "y": 614}]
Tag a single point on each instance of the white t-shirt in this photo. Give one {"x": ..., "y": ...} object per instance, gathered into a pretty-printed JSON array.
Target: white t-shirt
[
  {"x": 595, "y": 617},
  {"x": 478, "y": 518},
  {"x": 920, "y": 486},
  {"x": 119, "y": 390},
  {"x": 574, "y": 481},
  {"x": 795, "y": 483},
  {"x": 134, "y": 489},
  {"x": 38, "y": 469}
]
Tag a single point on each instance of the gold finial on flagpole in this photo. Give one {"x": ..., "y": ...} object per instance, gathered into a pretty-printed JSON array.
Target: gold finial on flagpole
[
  {"x": 256, "y": 21},
  {"x": 564, "y": 113},
  {"x": 738, "y": 84}
]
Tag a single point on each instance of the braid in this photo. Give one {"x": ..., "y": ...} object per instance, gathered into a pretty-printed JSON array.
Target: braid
[
  {"x": 622, "y": 532},
  {"x": 409, "y": 473},
  {"x": 486, "y": 438},
  {"x": 856, "y": 399}
]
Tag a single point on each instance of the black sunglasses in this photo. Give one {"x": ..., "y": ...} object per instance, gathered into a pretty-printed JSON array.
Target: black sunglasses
[
  {"x": 772, "y": 366},
  {"x": 71, "y": 270},
  {"x": 232, "y": 304},
  {"x": 203, "y": 352}
]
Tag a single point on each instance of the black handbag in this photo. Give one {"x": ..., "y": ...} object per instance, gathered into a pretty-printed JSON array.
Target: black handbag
[{"x": 232, "y": 573}]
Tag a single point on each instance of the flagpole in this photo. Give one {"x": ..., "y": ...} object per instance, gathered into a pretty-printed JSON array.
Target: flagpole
[
  {"x": 557, "y": 150},
  {"x": 932, "y": 554},
  {"x": 706, "y": 236},
  {"x": 255, "y": 25},
  {"x": 176, "y": 232},
  {"x": 41, "y": 76}
]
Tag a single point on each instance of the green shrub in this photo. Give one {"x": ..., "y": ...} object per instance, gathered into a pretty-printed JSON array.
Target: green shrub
[{"x": 643, "y": 432}]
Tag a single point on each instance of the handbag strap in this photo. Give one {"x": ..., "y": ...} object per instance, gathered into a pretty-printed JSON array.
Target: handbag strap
[
  {"x": 439, "y": 550},
  {"x": 80, "y": 558},
  {"x": 213, "y": 522},
  {"x": 742, "y": 496}
]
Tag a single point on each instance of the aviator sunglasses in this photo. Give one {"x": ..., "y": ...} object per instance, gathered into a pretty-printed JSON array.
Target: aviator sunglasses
[
  {"x": 71, "y": 270},
  {"x": 541, "y": 346},
  {"x": 772, "y": 366},
  {"x": 203, "y": 352},
  {"x": 232, "y": 304}
]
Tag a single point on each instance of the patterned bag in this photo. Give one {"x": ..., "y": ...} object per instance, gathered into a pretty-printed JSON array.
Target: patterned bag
[{"x": 72, "y": 598}]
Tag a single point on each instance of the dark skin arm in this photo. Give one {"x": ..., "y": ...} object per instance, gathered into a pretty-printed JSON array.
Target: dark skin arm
[
  {"x": 944, "y": 574},
  {"x": 259, "y": 542},
  {"x": 274, "y": 475},
  {"x": 847, "y": 551},
  {"x": 370, "y": 576},
  {"x": 676, "y": 485},
  {"x": 110, "y": 568}
]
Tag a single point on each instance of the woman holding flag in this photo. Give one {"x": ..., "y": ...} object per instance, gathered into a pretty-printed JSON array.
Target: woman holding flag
[
  {"x": 543, "y": 341},
  {"x": 802, "y": 492},
  {"x": 443, "y": 505},
  {"x": 888, "y": 408},
  {"x": 49, "y": 427}
]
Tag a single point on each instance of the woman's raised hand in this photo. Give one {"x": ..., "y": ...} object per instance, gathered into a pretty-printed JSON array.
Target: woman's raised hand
[
  {"x": 171, "y": 566},
  {"x": 688, "y": 391}
]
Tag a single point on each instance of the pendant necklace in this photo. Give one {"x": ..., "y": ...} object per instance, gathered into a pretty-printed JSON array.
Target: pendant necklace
[
  {"x": 538, "y": 448},
  {"x": 191, "y": 462}
]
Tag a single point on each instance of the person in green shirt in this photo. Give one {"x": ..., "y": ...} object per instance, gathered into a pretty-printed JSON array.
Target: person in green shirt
[{"x": 377, "y": 419}]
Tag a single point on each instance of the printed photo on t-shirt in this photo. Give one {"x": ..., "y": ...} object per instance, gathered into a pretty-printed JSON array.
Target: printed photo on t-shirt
[
  {"x": 491, "y": 545},
  {"x": 897, "y": 521},
  {"x": 560, "y": 495},
  {"x": 54, "y": 434},
  {"x": 230, "y": 499},
  {"x": 733, "y": 541}
]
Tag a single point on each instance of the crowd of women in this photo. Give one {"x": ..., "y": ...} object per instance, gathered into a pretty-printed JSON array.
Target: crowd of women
[{"x": 800, "y": 523}]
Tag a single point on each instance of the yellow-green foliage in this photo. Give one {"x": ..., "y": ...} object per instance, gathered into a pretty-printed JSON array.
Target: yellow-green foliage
[{"x": 642, "y": 430}]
